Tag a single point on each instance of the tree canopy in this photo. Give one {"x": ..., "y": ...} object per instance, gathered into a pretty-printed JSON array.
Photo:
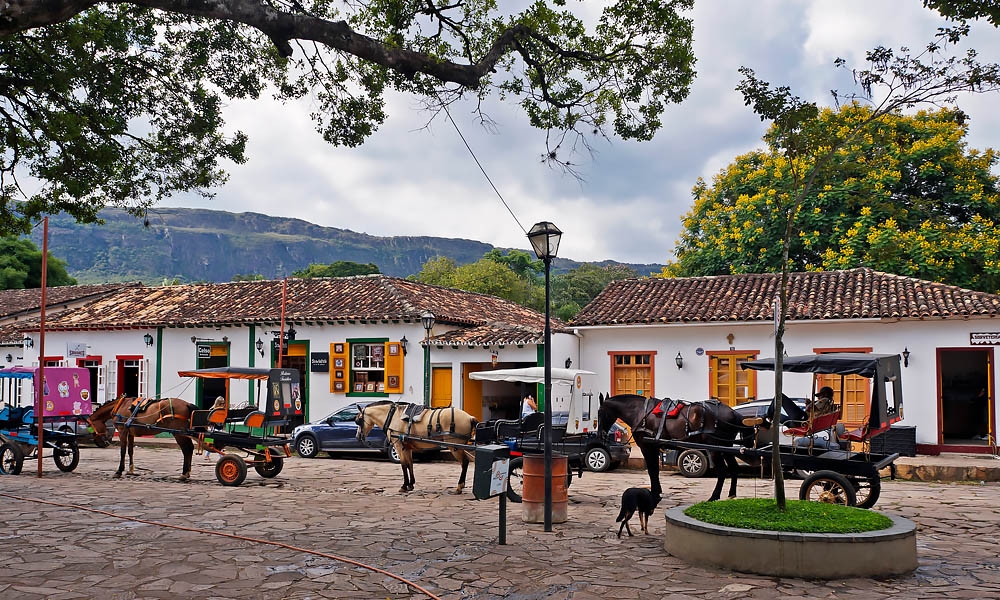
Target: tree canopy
[
  {"x": 121, "y": 104},
  {"x": 907, "y": 197},
  {"x": 340, "y": 268},
  {"x": 21, "y": 266}
]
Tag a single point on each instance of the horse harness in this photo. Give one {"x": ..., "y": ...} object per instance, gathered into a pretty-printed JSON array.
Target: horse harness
[
  {"x": 140, "y": 405},
  {"x": 413, "y": 413},
  {"x": 672, "y": 410}
]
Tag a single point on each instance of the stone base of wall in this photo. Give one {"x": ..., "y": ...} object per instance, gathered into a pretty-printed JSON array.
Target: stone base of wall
[{"x": 891, "y": 551}]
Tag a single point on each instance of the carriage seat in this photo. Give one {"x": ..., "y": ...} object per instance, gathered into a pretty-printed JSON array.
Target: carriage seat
[
  {"x": 254, "y": 419},
  {"x": 507, "y": 428},
  {"x": 532, "y": 422}
]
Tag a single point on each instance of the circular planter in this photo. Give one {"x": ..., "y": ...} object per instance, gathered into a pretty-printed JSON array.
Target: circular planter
[{"x": 891, "y": 551}]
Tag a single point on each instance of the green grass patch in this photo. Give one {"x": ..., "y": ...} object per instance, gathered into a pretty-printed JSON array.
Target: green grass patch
[{"x": 800, "y": 516}]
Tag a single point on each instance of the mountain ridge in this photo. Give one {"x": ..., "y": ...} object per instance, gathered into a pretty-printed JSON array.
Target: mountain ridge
[{"x": 197, "y": 244}]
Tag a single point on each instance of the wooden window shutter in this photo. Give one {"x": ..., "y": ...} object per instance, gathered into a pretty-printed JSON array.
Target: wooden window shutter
[
  {"x": 339, "y": 372},
  {"x": 393, "y": 368}
]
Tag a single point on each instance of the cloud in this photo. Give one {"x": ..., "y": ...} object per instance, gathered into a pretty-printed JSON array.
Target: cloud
[{"x": 414, "y": 179}]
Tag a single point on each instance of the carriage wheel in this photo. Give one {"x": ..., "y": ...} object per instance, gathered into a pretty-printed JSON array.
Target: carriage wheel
[
  {"x": 829, "y": 487},
  {"x": 66, "y": 455},
  {"x": 11, "y": 459},
  {"x": 867, "y": 490},
  {"x": 515, "y": 479},
  {"x": 269, "y": 468},
  {"x": 231, "y": 470}
]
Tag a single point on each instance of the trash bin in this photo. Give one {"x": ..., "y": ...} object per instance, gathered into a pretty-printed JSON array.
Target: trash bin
[{"x": 533, "y": 492}]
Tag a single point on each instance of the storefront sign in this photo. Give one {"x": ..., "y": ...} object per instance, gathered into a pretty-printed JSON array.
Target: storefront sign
[
  {"x": 319, "y": 362},
  {"x": 204, "y": 351},
  {"x": 76, "y": 350},
  {"x": 985, "y": 339}
]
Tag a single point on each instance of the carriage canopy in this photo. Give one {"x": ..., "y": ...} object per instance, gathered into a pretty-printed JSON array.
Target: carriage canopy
[
  {"x": 571, "y": 391},
  {"x": 882, "y": 369}
]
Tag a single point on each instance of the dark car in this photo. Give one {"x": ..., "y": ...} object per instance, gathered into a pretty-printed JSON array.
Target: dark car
[
  {"x": 696, "y": 463},
  {"x": 337, "y": 433},
  {"x": 589, "y": 449}
]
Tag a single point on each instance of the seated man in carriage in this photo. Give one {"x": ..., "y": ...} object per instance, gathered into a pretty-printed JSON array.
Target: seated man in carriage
[{"x": 795, "y": 417}]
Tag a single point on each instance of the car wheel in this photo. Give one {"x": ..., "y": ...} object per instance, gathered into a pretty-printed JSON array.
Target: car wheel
[
  {"x": 390, "y": 452},
  {"x": 693, "y": 463},
  {"x": 597, "y": 460},
  {"x": 306, "y": 446}
]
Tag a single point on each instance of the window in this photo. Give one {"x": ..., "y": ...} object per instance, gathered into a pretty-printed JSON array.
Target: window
[
  {"x": 632, "y": 373},
  {"x": 368, "y": 367}
]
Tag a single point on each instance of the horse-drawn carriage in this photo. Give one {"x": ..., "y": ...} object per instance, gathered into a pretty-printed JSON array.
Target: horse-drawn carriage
[
  {"x": 65, "y": 401},
  {"x": 850, "y": 476},
  {"x": 221, "y": 429}
]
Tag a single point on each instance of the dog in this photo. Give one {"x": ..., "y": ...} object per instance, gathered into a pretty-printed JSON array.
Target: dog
[{"x": 636, "y": 500}]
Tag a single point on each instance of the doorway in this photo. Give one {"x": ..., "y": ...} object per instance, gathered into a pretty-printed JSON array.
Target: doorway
[
  {"x": 211, "y": 355},
  {"x": 965, "y": 392}
]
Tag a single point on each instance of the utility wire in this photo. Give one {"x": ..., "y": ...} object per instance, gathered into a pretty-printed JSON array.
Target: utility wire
[{"x": 485, "y": 174}]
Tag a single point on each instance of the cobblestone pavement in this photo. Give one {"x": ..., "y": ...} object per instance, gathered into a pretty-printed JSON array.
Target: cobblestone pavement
[{"x": 446, "y": 544}]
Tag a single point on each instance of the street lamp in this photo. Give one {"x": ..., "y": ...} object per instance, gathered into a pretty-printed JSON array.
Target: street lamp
[
  {"x": 148, "y": 339},
  {"x": 427, "y": 320},
  {"x": 544, "y": 238}
]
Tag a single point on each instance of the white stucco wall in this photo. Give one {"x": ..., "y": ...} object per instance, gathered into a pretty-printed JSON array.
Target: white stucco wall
[{"x": 920, "y": 379}]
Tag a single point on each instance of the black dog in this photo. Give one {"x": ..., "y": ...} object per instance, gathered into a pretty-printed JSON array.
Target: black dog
[{"x": 635, "y": 500}]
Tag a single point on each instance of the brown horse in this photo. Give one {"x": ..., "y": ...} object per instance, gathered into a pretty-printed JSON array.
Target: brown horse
[
  {"x": 132, "y": 415},
  {"x": 709, "y": 422},
  {"x": 431, "y": 426}
]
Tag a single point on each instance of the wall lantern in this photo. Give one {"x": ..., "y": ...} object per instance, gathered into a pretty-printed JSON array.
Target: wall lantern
[
  {"x": 9, "y": 358},
  {"x": 260, "y": 346},
  {"x": 148, "y": 339},
  {"x": 291, "y": 333},
  {"x": 403, "y": 342},
  {"x": 28, "y": 342},
  {"x": 906, "y": 357},
  {"x": 679, "y": 361},
  {"x": 569, "y": 362}
]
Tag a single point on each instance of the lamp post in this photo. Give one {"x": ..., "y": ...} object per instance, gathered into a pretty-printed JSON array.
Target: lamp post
[
  {"x": 544, "y": 238},
  {"x": 427, "y": 320}
]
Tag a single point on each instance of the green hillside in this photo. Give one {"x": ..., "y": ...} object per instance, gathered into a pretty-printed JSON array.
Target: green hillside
[{"x": 207, "y": 245}]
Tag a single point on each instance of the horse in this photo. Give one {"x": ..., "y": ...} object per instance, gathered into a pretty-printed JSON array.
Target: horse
[
  {"x": 166, "y": 413},
  {"x": 430, "y": 425},
  {"x": 709, "y": 422}
]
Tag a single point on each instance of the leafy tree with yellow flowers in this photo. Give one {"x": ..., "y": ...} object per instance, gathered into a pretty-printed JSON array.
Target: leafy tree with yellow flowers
[{"x": 905, "y": 196}]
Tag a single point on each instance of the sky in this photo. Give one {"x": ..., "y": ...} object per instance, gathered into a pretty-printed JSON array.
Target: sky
[{"x": 414, "y": 178}]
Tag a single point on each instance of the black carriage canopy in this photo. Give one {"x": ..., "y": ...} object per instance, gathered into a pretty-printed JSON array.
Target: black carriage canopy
[{"x": 883, "y": 369}]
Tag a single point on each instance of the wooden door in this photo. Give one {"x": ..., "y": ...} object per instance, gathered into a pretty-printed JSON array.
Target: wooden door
[{"x": 440, "y": 387}]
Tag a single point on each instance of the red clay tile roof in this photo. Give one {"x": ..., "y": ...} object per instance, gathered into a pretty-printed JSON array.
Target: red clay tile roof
[
  {"x": 322, "y": 300},
  {"x": 14, "y": 302},
  {"x": 852, "y": 294}
]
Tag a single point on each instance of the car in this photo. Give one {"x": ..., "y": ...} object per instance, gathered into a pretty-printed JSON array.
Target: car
[
  {"x": 595, "y": 454},
  {"x": 337, "y": 433},
  {"x": 696, "y": 463}
]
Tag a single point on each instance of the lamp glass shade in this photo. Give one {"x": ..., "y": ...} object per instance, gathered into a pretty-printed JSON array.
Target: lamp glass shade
[
  {"x": 679, "y": 360},
  {"x": 148, "y": 339},
  {"x": 427, "y": 320},
  {"x": 544, "y": 238}
]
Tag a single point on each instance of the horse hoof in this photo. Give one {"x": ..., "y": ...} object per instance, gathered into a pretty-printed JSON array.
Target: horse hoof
[
  {"x": 184, "y": 478},
  {"x": 455, "y": 492},
  {"x": 117, "y": 475}
]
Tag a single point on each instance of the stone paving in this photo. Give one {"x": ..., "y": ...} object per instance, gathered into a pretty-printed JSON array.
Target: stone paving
[{"x": 320, "y": 509}]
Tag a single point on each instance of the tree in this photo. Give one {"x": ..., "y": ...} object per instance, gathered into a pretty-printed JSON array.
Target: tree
[
  {"x": 21, "y": 266},
  {"x": 340, "y": 268},
  {"x": 249, "y": 277},
  {"x": 809, "y": 149},
  {"x": 489, "y": 277},
  {"x": 519, "y": 261},
  {"x": 439, "y": 270},
  {"x": 906, "y": 196},
  {"x": 121, "y": 104},
  {"x": 573, "y": 290},
  {"x": 967, "y": 10}
]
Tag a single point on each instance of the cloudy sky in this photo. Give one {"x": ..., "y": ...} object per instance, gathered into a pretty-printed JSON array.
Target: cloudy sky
[{"x": 412, "y": 180}]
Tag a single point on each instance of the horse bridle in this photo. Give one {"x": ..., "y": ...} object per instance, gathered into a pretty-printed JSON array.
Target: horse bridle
[{"x": 385, "y": 426}]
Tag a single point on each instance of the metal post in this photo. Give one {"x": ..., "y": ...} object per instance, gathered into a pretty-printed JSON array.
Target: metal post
[
  {"x": 427, "y": 368},
  {"x": 548, "y": 404}
]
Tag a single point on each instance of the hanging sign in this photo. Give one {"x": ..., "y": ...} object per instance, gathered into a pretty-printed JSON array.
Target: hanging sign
[
  {"x": 991, "y": 338},
  {"x": 319, "y": 362}
]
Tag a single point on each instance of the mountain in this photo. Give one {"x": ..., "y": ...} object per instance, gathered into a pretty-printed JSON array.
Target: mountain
[{"x": 191, "y": 245}]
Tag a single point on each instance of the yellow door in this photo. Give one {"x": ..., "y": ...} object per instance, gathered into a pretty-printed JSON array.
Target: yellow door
[
  {"x": 440, "y": 387},
  {"x": 728, "y": 382},
  {"x": 472, "y": 391}
]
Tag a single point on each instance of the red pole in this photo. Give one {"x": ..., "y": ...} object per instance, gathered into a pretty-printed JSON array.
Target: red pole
[
  {"x": 40, "y": 384},
  {"x": 281, "y": 334}
]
